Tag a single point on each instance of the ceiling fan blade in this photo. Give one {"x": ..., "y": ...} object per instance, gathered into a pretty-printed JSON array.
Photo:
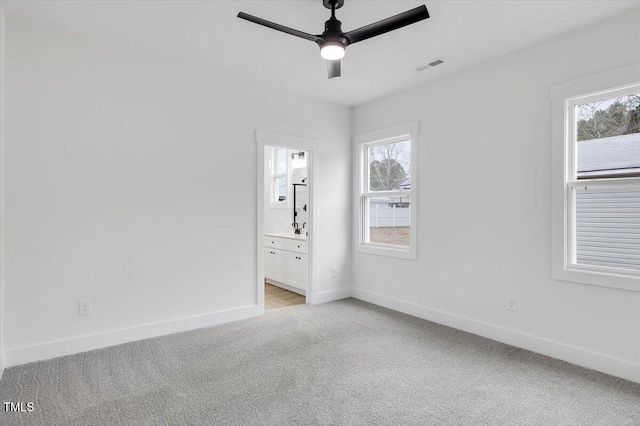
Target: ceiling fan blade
[
  {"x": 392, "y": 23},
  {"x": 278, "y": 27},
  {"x": 333, "y": 68}
]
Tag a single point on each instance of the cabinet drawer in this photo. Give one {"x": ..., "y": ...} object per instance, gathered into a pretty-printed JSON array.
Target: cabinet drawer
[
  {"x": 297, "y": 246},
  {"x": 274, "y": 242}
]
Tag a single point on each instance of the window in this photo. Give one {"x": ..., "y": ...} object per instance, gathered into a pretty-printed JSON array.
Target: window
[
  {"x": 604, "y": 190},
  {"x": 386, "y": 205},
  {"x": 601, "y": 183},
  {"x": 280, "y": 172}
]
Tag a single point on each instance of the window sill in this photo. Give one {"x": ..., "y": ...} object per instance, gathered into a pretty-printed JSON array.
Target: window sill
[
  {"x": 599, "y": 278},
  {"x": 279, "y": 206},
  {"x": 400, "y": 253}
]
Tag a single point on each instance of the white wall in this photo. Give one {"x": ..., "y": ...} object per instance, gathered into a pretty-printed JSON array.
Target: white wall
[
  {"x": 485, "y": 191},
  {"x": 2, "y": 169},
  {"x": 116, "y": 172}
]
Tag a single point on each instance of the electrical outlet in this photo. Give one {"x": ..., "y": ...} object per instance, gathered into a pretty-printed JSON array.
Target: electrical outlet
[
  {"x": 84, "y": 307},
  {"x": 512, "y": 304},
  {"x": 334, "y": 272}
]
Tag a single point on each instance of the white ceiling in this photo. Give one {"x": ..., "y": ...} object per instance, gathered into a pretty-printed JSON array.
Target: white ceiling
[{"x": 462, "y": 33}]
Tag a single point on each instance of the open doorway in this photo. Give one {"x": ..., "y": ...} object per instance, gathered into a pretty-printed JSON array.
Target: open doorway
[
  {"x": 286, "y": 226},
  {"x": 287, "y": 252}
]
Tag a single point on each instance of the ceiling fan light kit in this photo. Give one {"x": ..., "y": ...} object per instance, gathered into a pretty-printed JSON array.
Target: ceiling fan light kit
[
  {"x": 333, "y": 41},
  {"x": 332, "y": 50}
]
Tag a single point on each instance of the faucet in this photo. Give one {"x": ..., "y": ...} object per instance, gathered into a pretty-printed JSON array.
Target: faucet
[{"x": 295, "y": 227}]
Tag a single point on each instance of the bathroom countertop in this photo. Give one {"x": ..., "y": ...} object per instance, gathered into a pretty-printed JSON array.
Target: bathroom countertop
[{"x": 287, "y": 235}]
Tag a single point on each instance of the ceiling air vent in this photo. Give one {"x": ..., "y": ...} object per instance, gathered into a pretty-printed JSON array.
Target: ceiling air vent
[{"x": 430, "y": 65}]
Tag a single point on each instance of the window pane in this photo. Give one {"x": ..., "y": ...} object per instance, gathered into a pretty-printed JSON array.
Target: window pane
[
  {"x": 390, "y": 166},
  {"x": 281, "y": 188},
  {"x": 389, "y": 220},
  {"x": 608, "y": 137},
  {"x": 608, "y": 227},
  {"x": 281, "y": 161}
]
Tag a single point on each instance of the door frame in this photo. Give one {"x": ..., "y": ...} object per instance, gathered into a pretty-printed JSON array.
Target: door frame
[{"x": 267, "y": 138}]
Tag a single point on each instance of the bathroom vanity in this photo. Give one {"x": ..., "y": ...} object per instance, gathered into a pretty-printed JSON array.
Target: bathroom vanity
[{"x": 286, "y": 261}]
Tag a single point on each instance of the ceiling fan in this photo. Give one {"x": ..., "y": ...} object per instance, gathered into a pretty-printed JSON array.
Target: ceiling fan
[{"x": 333, "y": 41}]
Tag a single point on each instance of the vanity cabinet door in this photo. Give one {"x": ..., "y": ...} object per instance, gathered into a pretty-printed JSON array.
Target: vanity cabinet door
[
  {"x": 297, "y": 270},
  {"x": 279, "y": 271},
  {"x": 274, "y": 264},
  {"x": 268, "y": 263},
  {"x": 303, "y": 271},
  {"x": 293, "y": 274}
]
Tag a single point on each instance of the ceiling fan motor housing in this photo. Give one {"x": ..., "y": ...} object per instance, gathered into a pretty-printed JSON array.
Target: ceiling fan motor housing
[{"x": 333, "y": 33}]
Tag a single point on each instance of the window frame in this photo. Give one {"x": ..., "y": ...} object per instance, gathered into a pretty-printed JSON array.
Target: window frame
[
  {"x": 397, "y": 133},
  {"x": 564, "y": 98}
]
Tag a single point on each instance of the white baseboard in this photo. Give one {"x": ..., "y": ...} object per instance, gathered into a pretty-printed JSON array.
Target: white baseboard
[
  {"x": 79, "y": 344},
  {"x": 582, "y": 357},
  {"x": 329, "y": 296}
]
